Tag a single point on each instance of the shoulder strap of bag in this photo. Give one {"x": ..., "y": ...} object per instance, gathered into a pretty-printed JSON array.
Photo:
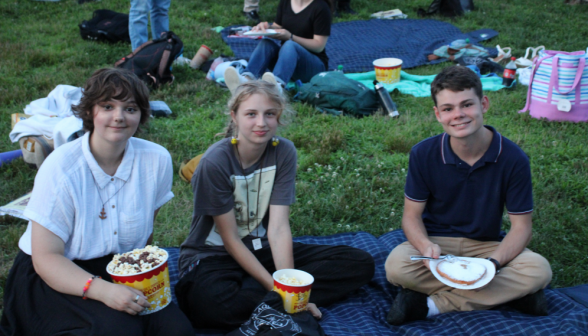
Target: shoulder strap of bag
[
  {"x": 554, "y": 81},
  {"x": 163, "y": 65},
  {"x": 131, "y": 55},
  {"x": 536, "y": 64}
]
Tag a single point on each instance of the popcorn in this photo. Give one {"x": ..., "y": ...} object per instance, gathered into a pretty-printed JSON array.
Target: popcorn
[
  {"x": 291, "y": 281},
  {"x": 137, "y": 261}
]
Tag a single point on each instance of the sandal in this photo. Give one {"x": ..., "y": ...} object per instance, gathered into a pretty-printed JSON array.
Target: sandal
[
  {"x": 525, "y": 62},
  {"x": 502, "y": 54}
]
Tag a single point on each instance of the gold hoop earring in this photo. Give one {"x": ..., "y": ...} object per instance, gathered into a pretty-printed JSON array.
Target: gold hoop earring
[{"x": 275, "y": 141}]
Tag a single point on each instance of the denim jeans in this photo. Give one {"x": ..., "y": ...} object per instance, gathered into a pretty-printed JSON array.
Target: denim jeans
[
  {"x": 138, "y": 20},
  {"x": 218, "y": 293},
  {"x": 291, "y": 61}
]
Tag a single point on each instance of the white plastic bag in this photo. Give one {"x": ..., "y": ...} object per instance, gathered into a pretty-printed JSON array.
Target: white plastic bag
[{"x": 524, "y": 75}]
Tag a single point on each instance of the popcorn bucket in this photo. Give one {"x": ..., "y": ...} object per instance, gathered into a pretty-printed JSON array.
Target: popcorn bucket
[
  {"x": 388, "y": 70},
  {"x": 295, "y": 297},
  {"x": 154, "y": 284}
]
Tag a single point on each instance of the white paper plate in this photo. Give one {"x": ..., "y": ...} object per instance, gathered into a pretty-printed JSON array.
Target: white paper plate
[
  {"x": 268, "y": 32},
  {"x": 490, "y": 272}
]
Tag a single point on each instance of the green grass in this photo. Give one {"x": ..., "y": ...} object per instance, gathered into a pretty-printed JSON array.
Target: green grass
[{"x": 40, "y": 47}]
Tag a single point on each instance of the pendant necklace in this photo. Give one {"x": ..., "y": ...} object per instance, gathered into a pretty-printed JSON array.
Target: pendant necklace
[{"x": 103, "y": 213}]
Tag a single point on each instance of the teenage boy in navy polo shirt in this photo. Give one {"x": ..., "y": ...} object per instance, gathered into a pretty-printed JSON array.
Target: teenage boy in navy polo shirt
[{"x": 457, "y": 186}]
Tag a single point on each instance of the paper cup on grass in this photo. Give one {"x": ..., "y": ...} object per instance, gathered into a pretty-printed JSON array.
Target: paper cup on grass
[
  {"x": 201, "y": 56},
  {"x": 154, "y": 284},
  {"x": 295, "y": 297},
  {"x": 388, "y": 70}
]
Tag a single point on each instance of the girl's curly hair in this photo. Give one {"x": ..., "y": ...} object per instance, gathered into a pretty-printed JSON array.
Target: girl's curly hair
[{"x": 107, "y": 84}]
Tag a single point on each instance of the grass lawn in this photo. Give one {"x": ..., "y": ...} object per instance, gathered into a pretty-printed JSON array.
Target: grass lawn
[{"x": 40, "y": 47}]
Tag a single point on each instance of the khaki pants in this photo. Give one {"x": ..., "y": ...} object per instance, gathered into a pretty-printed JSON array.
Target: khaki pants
[
  {"x": 525, "y": 274},
  {"x": 251, "y": 5}
]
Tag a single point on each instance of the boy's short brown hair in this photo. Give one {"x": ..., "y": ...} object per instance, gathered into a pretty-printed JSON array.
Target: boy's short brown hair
[
  {"x": 456, "y": 78},
  {"x": 111, "y": 83}
]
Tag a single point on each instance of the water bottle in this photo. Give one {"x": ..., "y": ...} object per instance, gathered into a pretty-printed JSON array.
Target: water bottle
[
  {"x": 508, "y": 75},
  {"x": 386, "y": 102}
]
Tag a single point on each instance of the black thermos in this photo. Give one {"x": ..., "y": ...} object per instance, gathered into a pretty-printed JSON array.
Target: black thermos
[{"x": 387, "y": 103}]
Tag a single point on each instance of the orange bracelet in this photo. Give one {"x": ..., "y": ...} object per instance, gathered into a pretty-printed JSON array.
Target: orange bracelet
[{"x": 87, "y": 286}]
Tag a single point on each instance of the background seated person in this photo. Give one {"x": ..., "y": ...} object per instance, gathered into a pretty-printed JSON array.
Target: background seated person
[
  {"x": 93, "y": 197},
  {"x": 303, "y": 26},
  {"x": 457, "y": 186},
  {"x": 240, "y": 233}
]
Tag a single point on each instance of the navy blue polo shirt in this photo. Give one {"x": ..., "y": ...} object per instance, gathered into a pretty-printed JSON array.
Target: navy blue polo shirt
[{"x": 466, "y": 201}]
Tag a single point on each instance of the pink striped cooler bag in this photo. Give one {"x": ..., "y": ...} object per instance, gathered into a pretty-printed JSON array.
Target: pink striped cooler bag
[{"x": 558, "y": 89}]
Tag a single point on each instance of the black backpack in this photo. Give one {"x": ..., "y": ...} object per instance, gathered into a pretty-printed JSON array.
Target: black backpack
[
  {"x": 152, "y": 61},
  {"x": 448, "y": 7},
  {"x": 107, "y": 26}
]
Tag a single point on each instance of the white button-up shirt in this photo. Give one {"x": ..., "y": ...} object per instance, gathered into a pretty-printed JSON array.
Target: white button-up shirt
[{"x": 70, "y": 189}]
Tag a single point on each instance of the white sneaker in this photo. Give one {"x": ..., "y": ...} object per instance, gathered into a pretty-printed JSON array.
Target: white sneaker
[
  {"x": 270, "y": 78},
  {"x": 233, "y": 79}
]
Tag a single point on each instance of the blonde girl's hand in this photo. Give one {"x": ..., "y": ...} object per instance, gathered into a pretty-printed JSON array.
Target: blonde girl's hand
[
  {"x": 124, "y": 298},
  {"x": 313, "y": 309}
]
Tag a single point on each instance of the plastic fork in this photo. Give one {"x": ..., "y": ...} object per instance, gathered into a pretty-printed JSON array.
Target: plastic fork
[{"x": 449, "y": 257}]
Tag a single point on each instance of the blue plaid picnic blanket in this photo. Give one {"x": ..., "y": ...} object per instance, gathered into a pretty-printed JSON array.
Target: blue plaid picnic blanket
[
  {"x": 356, "y": 44},
  {"x": 364, "y": 312}
]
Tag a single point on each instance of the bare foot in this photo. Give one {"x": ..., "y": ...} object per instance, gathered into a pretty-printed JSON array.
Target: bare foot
[{"x": 313, "y": 309}]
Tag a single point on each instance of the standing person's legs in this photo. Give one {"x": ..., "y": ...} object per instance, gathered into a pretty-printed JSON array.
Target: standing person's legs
[
  {"x": 250, "y": 5},
  {"x": 159, "y": 17},
  {"x": 251, "y": 10},
  {"x": 337, "y": 270},
  {"x": 138, "y": 22},
  {"x": 263, "y": 57},
  {"x": 295, "y": 62}
]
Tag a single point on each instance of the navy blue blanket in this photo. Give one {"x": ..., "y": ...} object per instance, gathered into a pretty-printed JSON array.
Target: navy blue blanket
[
  {"x": 364, "y": 312},
  {"x": 356, "y": 44}
]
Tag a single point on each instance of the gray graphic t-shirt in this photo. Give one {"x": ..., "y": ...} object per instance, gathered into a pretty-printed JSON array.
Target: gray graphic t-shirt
[{"x": 220, "y": 185}]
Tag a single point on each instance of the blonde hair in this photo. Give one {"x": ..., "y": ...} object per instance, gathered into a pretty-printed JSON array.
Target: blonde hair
[{"x": 248, "y": 89}]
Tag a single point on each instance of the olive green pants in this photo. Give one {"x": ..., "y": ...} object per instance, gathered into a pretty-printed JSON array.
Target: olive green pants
[
  {"x": 525, "y": 274},
  {"x": 250, "y": 5}
]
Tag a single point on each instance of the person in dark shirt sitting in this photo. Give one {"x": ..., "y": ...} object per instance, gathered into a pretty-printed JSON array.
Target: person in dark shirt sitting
[
  {"x": 303, "y": 27},
  {"x": 457, "y": 187}
]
